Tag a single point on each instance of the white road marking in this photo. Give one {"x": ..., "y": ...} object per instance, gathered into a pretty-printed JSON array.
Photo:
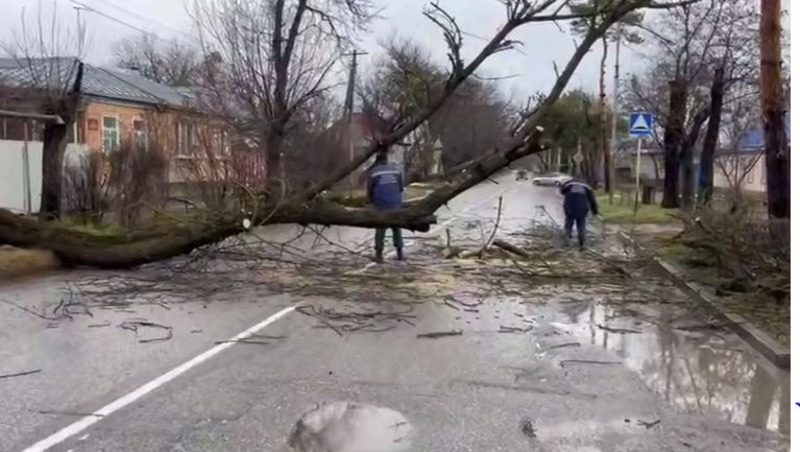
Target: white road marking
[{"x": 122, "y": 402}]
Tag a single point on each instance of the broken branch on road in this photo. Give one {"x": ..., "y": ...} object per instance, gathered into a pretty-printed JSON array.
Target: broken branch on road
[
  {"x": 135, "y": 325},
  {"x": 514, "y": 329},
  {"x": 617, "y": 330},
  {"x": 586, "y": 361},
  {"x": 21, "y": 374},
  {"x": 439, "y": 334}
]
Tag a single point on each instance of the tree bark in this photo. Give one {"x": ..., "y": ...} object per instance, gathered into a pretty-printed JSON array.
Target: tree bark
[
  {"x": 775, "y": 150},
  {"x": 55, "y": 143},
  {"x": 673, "y": 136},
  {"x": 712, "y": 137},
  {"x": 686, "y": 156},
  {"x": 53, "y": 147}
]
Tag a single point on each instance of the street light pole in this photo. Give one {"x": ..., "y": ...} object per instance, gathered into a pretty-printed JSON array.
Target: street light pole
[
  {"x": 638, "y": 181},
  {"x": 79, "y": 29},
  {"x": 348, "y": 107}
]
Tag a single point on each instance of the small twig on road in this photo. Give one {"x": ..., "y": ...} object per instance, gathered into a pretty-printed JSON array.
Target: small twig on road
[
  {"x": 447, "y": 303},
  {"x": 21, "y": 374},
  {"x": 514, "y": 329},
  {"x": 244, "y": 341},
  {"x": 586, "y": 361},
  {"x": 266, "y": 337},
  {"x": 29, "y": 311},
  {"x": 439, "y": 334},
  {"x": 649, "y": 425},
  {"x": 617, "y": 330},
  {"x": 568, "y": 344},
  {"x": 134, "y": 325},
  {"x": 494, "y": 229},
  {"x": 100, "y": 325},
  {"x": 69, "y": 413}
]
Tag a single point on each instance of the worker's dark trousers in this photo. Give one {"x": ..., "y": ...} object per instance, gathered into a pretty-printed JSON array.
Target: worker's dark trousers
[
  {"x": 380, "y": 237},
  {"x": 581, "y": 221}
]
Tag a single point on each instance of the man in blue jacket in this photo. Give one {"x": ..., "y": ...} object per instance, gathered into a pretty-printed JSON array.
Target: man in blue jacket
[
  {"x": 578, "y": 200},
  {"x": 385, "y": 192}
]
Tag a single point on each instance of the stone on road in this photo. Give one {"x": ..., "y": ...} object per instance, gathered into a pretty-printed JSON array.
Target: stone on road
[{"x": 351, "y": 427}]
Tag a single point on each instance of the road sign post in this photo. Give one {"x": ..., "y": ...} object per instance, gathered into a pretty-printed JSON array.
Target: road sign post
[{"x": 640, "y": 127}]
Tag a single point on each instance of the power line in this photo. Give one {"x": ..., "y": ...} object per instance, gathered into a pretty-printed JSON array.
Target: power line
[
  {"x": 144, "y": 18},
  {"x": 119, "y": 21}
]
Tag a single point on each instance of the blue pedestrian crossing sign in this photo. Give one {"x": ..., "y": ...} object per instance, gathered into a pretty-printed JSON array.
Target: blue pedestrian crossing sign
[{"x": 640, "y": 125}]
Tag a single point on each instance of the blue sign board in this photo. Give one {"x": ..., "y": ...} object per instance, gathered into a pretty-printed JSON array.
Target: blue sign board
[{"x": 640, "y": 125}]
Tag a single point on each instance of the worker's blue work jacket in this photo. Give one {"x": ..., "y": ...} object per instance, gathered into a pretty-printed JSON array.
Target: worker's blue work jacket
[
  {"x": 385, "y": 188},
  {"x": 578, "y": 199}
]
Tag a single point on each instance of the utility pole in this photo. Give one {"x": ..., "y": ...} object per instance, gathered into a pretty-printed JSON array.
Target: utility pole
[
  {"x": 614, "y": 118},
  {"x": 775, "y": 149},
  {"x": 349, "y": 102},
  {"x": 79, "y": 29}
]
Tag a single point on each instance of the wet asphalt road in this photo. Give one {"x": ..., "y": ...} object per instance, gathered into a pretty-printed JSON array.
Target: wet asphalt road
[{"x": 553, "y": 380}]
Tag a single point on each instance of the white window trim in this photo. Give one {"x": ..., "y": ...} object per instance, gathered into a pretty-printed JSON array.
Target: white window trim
[{"x": 103, "y": 125}]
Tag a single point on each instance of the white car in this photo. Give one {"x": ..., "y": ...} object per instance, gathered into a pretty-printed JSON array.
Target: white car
[{"x": 551, "y": 180}]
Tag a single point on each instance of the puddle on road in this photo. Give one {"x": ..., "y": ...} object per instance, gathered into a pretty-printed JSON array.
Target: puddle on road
[
  {"x": 351, "y": 427},
  {"x": 696, "y": 370}
]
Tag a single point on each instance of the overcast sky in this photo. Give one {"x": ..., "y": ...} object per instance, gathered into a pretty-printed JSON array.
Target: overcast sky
[{"x": 532, "y": 64}]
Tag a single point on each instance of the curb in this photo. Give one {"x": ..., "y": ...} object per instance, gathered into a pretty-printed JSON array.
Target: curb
[{"x": 778, "y": 354}]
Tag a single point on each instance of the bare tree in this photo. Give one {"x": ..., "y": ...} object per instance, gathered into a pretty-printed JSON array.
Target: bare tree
[
  {"x": 306, "y": 206},
  {"x": 690, "y": 42},
  {"x": 172, "y": 63},
  {"x": 473, "y": 120},
  {"x": 625, "y": 31},
  {"x": 46, "y": 82},
  {"x": 273, "y": 58},
  {"x": 742, "y": 119}
]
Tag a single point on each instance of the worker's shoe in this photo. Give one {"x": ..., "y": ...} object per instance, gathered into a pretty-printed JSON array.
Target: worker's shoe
[
  {"x": 379, "y": 257},
  {"x": 399, "y": 254}
]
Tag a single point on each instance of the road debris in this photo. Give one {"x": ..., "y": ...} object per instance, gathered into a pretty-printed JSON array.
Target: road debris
[
  {"x": 69, "y": 413},
  {"x": 348, "y": 321},
  {"x": 135, "y": 325},
  {"x": 21, "y": 374},
  {"x": 506, "y": 246},
  {"x": 514, "y": 329},
  {"x": 586, "y": 361},
  {"x": 349, "y": 426},
  {"x": 526, "y": 426},
  {"x": 438, "y": 334},
  {"x": 649, "y": 425},
  {"x": 618, "y": 330},
  {"x": 565, "y": 345}
]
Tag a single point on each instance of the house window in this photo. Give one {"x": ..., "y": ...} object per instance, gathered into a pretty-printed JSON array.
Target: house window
[
  {"x": 14, "y": 129},
  {"x": 75, "y": 131},
  {"x": 221, "y": 142},
  {"x": 110, "y": 133},
  {"x": 185, "y": 137},
  {"x": 140, "y": 133}
]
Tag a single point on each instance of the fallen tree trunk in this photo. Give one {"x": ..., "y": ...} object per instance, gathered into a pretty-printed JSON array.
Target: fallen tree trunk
[{"x": 305, "y": 207}]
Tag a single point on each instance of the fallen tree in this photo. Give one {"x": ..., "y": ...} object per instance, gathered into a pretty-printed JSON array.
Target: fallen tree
[{"x": 306, "y": 206}]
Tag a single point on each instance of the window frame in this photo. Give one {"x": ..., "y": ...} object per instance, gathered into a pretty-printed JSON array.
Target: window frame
[{"x": 117, "y": 129}]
